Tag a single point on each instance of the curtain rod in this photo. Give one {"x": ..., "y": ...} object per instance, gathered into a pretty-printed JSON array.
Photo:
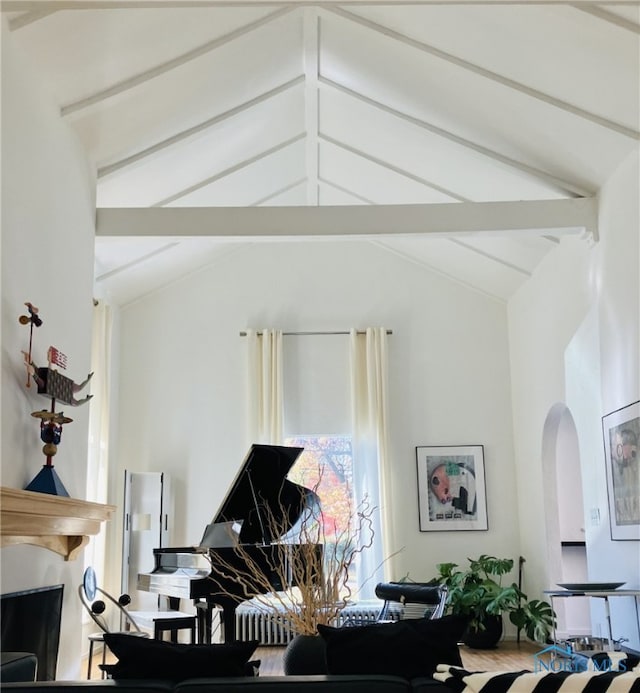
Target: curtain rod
[{"x": 305, "y": 334}]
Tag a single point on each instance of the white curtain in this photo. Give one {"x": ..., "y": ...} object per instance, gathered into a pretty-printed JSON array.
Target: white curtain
[
  {"x": 98, "y": 454},
  {"x": 370, "y": 445},
  {"x": 265, "y": 387}
]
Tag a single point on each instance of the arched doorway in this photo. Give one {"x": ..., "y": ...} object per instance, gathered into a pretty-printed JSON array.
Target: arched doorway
[{"x": 565, "y": 517}]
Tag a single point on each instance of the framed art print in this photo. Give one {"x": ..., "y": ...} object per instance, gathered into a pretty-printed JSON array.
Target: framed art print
[
  {"x": 451, "y": 488},
  {"x": 621, "y": 432}
]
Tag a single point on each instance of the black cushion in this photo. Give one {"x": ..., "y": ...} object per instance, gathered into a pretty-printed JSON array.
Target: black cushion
[
  {"x": 409, "y": 648},
  {"x": 143, "y": 658}
]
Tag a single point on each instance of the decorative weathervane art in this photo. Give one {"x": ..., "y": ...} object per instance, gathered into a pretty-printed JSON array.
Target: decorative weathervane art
[{"x": 52, "y": 384}]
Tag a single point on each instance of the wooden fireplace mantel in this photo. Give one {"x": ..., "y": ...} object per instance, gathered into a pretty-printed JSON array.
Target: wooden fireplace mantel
[{"x": 58, "y": 523}]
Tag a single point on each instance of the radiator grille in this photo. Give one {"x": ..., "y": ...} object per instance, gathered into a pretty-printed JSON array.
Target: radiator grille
[{"x": 257, "y": 622}]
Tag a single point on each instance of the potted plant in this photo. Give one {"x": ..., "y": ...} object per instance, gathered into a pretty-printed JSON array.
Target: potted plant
[
  {"x": 314, "y": 578},
  {"x": 478, "y": 593}
]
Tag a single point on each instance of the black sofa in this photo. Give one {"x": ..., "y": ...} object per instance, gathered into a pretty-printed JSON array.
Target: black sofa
[
  {"x": 396, "y": 657},
  {"x": 17, "y": 666},
  {"x": 238, "y": 684}
]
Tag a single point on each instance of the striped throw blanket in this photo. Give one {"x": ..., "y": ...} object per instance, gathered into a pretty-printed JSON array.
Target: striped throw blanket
[{"x": 462, "y": 681}]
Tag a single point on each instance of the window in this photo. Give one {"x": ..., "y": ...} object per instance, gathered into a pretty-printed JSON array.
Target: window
[
  {"x": 326, "y": 467},
  {"x": 317, "y": 398}
]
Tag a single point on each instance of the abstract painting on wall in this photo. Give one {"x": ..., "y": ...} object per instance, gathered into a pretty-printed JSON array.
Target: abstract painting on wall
[
  {"x": 451, "y": 488},
  {"x": 621, "y": 432}
]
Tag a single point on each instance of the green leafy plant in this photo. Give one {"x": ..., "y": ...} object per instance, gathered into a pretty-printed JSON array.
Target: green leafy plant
[{"x": 478, "y": 592}]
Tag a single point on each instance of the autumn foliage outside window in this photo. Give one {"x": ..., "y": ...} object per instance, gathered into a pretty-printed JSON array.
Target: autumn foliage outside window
[{"x": 326, "y": 466}]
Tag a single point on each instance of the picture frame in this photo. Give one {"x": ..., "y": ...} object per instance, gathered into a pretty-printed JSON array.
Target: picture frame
[
  {"x": 451, "y": 488},
  {"x": 621, "y": 433}
]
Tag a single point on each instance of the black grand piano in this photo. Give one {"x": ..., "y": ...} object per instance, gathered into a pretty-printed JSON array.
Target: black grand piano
[{"x": 260, "y": 492}]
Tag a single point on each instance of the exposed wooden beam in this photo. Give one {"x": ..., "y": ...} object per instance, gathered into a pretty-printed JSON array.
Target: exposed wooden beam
[
  {"x": 564, "y": 186},
  {"x": 227, "y": 172},
  {"x": 185, "y": 134},
  {"x": 311, "y": 59},
  {"x": 559, "y": 217},
  {"x": 488, "y": 74},
  {"x": 395, "y": 169},
  {"x": 172, "y": 64}
]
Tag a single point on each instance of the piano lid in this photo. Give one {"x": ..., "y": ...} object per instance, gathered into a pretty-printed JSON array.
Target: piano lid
[{"x": 261, "y": 490}]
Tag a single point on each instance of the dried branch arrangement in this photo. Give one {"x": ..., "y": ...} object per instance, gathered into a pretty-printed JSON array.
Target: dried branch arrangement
[{"x": 300, "y": 585}]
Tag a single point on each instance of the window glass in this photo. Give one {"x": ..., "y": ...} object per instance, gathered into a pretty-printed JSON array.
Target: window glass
[{"x": 326, "y": 467}]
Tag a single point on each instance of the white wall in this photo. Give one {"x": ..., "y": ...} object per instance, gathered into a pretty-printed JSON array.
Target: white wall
[
  {"x": 619, "y": 318},
  {"x": 542, "y": 319},
  {"x": 183, "y": 387},
  {"x": 556, "y": 357},
  {"x": 47, "y": 258}
]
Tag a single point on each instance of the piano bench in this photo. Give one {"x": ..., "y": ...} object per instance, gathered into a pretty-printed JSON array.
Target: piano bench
[{"x": 162, "y": 622}]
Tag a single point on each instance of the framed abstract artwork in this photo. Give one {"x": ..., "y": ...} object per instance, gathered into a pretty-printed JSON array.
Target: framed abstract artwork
[
  {"x": 451, "y": 488},
  {"x": 621, "y": 432}
]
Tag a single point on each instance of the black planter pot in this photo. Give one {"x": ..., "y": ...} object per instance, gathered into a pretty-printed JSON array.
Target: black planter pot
[
  {"x": 305, "y": 654},
  {"x": 485, "y": 639}
]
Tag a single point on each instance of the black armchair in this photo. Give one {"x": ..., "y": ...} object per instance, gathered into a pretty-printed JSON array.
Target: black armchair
[{"x": 412, "y": 599}]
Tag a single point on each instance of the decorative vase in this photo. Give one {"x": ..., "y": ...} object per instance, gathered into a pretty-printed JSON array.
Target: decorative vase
[
  {"x": 487, "y": 638},
  {"x": 305, "y": 654}
]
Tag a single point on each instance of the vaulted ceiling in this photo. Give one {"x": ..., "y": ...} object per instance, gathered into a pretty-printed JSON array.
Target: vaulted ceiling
[{"x": 232, "y": 103}]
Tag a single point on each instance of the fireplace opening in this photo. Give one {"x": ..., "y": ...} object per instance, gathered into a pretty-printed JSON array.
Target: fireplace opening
[{"x": 30, "y": 622}]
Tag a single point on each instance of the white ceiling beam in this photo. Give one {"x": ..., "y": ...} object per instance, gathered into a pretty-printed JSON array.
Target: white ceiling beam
[
  {"x": 560, "y": 217},
  {"x": 185, "y": 134},
  {"x": 420, "y": 262},
  {"x": 279, "y": 192},
  {"x": 616, "y": 19},
  {"x": 311, "y": 60},
  {"x": 490, "y": 256},
  {"x": 227, "y": 172},
  {"x": 391, "y": 167},
  {"x": 347, "y": 191},
  {"x": 172, "y": 64},
  {"x": 27, "y": 18},
  {"x": 488, "y": 74},
  {"x": 33, "y": 5},
  {"x": 468, "y": 247},
  {"x": 366, "y": 200},
  {"x": 135, "y": 262},
  {"x": 564, "y": 186}
]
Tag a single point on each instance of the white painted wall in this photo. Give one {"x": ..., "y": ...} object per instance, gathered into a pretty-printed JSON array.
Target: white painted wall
[
  {"x": 542, "y": 319},
  {"x": 618, "y": 305},
  {"x": 47, "y": 258},
  {"x": 183, "y": 388},
  {"x": 562, "y": 353}
]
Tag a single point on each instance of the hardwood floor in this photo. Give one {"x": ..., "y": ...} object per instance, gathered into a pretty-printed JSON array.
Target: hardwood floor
[{"x": 509, "y": 656}]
